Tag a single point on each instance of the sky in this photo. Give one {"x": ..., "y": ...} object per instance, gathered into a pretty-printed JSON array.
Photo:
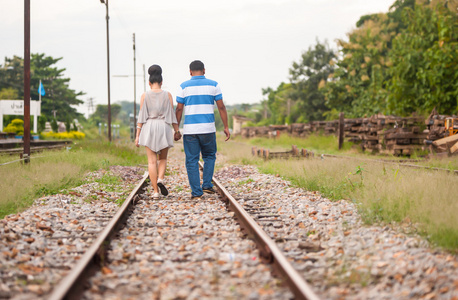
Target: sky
[{"x": 246, "y": 45}]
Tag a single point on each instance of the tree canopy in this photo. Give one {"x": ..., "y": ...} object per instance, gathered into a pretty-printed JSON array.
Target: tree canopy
[
  {"x": 58, "y": 97},
  {"x": 400, "y": 62}
]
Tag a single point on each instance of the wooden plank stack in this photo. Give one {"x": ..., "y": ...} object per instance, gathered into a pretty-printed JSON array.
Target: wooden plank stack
[
  {"x": 438, "y": 137},
  {"x": 378, "y": 133},
  {"x": 401, "y": 141},
  {"x": 301, "y": 129},
  {"x": 293, "y": 153},
  {"x": 446, "y": 145},
  {"x": 436, "y": 126}
]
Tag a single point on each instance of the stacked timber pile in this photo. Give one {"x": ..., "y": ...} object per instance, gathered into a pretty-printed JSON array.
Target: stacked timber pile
[
  {"x": 293, "y": 153},
  {"x": 371, "y": 133},
  {"x": 251, "y": 132},
  {"x": 277, "y": 130},
  {"x": 301, "y": 129},
  {"x": 387, "y": 134},
  {"x": 331, "y": 127},
  {"x": 436, "y": 126},
  {"x": 442, "y": 133},
  {"x": 447, "y": 145},
  {"x": 368, "y": 131},
  {"x": 401, "y": 141},
  {"x": 318, "y": 126},
  {"x": 265, "y": 131},
  {"x": 352, "y": 129}
]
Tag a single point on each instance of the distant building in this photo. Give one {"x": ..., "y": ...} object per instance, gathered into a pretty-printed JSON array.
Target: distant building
[{"x": 237, "y": 123}]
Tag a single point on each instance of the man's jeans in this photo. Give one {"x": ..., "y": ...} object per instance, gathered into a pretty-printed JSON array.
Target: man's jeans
[{"x": 194, "y": 144}]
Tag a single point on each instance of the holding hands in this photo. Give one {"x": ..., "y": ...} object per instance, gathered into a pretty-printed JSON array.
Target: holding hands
[{"x": 177, "y": 135}]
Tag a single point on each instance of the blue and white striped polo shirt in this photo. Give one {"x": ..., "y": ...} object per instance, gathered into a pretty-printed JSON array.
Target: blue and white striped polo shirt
[{"x": 198, "y": 96}]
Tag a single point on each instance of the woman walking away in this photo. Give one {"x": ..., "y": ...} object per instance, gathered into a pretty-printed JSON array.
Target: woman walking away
[{"x": 153, "y": 129}]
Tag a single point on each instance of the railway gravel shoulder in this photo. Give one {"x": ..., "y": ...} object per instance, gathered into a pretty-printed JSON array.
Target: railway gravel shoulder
[
  {"x": 40, "y": 245},
  {"x": 337, "y": 254}
]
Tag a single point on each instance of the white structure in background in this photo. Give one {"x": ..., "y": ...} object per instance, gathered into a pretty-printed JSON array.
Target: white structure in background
[
  {"x": 238, "y": 122},
  {"x": 16, "y": 107}
]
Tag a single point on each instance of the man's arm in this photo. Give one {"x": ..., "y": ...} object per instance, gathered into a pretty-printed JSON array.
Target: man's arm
[
  {"x": 179, "y": 114},
  {"x": 223, "y": 113}
]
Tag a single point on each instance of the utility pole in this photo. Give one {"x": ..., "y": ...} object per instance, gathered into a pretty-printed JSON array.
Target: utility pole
[
  {"x": 144, "y": 79},
  {"x": 135, "y": 87},
  {"x": 341, "y": 129},
  {"x": 26, "y": 153},
  {"x": 108, "y": 69}
]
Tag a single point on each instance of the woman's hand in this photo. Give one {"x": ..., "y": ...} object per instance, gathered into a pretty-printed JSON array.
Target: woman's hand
[
  {"x": 177, "y": 135},
  {"x": 136, "y": 142}
]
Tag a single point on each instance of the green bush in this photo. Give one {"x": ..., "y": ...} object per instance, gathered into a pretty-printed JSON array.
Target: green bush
[
  {"x": 68, "y": 126},
  {"x": 16, "y": 126},
  {"x": 54, "y": 125},
  {"x": 42, "y": 123}
]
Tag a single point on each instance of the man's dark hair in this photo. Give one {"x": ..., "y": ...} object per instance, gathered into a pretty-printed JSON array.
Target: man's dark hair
[{"x": 196, "y": 65}]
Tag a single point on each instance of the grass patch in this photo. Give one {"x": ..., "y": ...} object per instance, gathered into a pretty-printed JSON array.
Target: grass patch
[
  {"x": 324, "y": 144},
  {"x": 54, "y": 171},
  {"x": 384, "y": 192}
]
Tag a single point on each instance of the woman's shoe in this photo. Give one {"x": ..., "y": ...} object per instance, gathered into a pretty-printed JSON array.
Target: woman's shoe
[
  {"x": 162, "y": 187},
  {"x": 155, "y": 196}
]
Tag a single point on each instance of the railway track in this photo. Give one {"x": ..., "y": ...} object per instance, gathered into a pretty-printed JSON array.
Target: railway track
[
  {"x": 32, "y": 149},
  {"x": 145, "y": 226},
  {"x": 12, "y": 148},
  {"x": 178, "y": 248}
]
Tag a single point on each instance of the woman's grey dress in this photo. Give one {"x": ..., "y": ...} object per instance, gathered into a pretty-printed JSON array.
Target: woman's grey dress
[{"x": 157, "y": 115}]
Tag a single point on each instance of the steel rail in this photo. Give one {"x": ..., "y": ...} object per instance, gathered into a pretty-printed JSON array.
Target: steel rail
[
  {"x": 32, "y": 149},
  {"x": 71, "y": 287},
  {"x": 268, "y": 248}
]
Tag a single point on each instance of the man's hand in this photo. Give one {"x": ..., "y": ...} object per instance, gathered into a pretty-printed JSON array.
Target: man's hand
[
  {"x": 177, "y": 136},
  {"x": 227, "y": 133}
]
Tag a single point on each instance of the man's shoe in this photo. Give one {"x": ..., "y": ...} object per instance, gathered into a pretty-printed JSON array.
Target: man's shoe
[
  {"x": 196, "y": 197},
  {"x": 162, "y": 187},
  {"x": 209, "y": 190}
]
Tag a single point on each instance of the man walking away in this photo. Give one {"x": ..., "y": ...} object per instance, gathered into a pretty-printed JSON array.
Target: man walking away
[{"x": 197, "y": 96}]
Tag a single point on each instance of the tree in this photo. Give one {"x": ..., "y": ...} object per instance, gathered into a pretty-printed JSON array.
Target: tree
[
  {"x": 127, "y": 108},
  {"x": 277, "y": 102},
  {"x": 308, "y": 76},
  {"x": 68, "y": 125},
  {"x": 425, "y": 70},
  {"x": 358, "y": 81},
  {"x": 12, "y": 75},
  {"x": 58, "y": 96},
  {"x": 8, "y": 94},
  {"x": 42, "y": 123},
  {"x": 359, "y": 85},
  {"x": 101, "y": 113},
  {"x": 54, "y": 125}
]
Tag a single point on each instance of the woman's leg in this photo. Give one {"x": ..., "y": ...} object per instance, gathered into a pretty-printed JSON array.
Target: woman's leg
[
  {"x": 162, "y": 163},
  {"x": 152, "y": 168}
]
